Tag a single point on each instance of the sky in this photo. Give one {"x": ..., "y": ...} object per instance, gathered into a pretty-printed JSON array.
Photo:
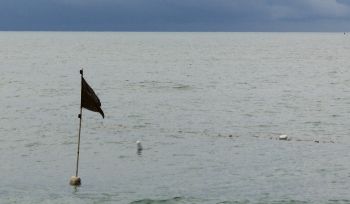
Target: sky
[{"x": 176, "y": 15}]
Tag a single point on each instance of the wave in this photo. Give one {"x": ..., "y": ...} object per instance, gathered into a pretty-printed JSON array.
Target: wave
[{"x": 166, "y": 201}]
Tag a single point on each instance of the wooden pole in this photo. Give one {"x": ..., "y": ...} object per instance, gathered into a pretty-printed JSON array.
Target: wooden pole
[
  {"x": 78, "y": 151},
  {"x": 80, "y": 117},
  {"x": 75, "y": 180}
]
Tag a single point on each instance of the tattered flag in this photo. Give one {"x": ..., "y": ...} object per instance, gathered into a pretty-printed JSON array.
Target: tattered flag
[{"x": 89, "y": 99}]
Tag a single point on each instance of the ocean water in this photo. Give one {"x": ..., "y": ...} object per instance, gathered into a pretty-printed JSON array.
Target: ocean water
[{"x": 207, "y": 107}]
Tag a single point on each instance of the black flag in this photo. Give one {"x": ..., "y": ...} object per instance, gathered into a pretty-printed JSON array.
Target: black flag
[{"x": 89, "y": 99}]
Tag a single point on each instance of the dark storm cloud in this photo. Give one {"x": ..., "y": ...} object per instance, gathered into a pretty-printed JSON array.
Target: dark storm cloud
[{"x": 235, "y": 15}]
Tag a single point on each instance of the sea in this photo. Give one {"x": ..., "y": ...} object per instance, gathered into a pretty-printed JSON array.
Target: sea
[{"x": 207, "y": 107}]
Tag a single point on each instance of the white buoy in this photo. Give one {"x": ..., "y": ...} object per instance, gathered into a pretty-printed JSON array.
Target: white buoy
[
  {"x": 139, "y": 146},
  {"x": 75, "y": 181},
  {"x": 283, "y": 137}
]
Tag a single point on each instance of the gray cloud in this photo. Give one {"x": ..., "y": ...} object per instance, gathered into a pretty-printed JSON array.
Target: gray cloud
[
  {"x": 303, "y": 9},
  {"x": 230, "y": 15}
]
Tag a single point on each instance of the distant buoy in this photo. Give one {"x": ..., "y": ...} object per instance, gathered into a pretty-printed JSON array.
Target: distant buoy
[
  {"x": 283, "y": 137},
  {"x": 75, "y": 181},
  {"x": 139, "y": 146}
]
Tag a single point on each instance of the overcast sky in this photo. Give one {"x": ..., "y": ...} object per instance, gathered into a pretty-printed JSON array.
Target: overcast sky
[{"x": 176, "y": 15}]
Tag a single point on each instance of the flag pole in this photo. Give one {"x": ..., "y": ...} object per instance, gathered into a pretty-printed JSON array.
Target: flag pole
[
  {"x": 75, "y": 180},
  {"x": 80, "y": 117}
]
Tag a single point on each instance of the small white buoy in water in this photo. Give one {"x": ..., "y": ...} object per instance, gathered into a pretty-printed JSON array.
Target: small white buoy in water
[
  {"x": 139, "y": 146},
  {"x": 283, "y": 137},
  {"x": 75, "y": 181}
]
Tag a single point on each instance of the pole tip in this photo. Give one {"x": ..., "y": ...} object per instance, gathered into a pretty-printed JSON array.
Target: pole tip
[
  {"x": 81, "y": 71},
  {"x": 75, "y": 181}
]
